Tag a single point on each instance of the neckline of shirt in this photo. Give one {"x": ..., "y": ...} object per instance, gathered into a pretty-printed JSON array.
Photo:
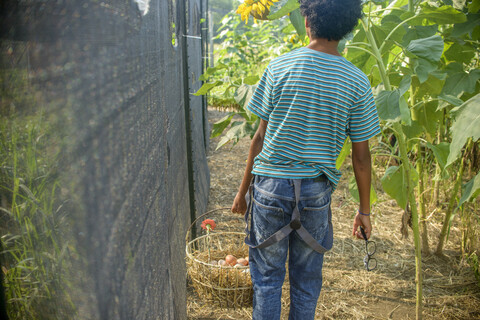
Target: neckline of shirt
[{"x": 324, "y": 54}]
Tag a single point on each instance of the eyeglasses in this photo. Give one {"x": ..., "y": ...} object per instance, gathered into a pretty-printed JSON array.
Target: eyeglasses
[{"x": 370, "y": 248}]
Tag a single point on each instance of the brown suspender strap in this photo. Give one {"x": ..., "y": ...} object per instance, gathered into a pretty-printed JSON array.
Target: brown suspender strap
[{"x": 294, "y": 224}]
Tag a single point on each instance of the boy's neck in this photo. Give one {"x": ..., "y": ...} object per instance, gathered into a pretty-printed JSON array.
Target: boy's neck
[{"x": 324, "y": 45}]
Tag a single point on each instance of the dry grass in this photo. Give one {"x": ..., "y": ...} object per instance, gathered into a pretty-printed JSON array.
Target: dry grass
[{"x": 350, "y": 292}]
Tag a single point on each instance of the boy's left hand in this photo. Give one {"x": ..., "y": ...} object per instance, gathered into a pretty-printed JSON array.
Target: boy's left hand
[{"x": 362, "y": 221}]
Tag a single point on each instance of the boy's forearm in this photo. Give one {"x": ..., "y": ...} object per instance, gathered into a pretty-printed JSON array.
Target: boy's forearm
[
  {"x": 362, "y": 168},
  {"x": 256, "y": 146}
]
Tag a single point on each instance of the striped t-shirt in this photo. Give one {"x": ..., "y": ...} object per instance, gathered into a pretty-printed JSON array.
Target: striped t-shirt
[{"x": 312, "y": 102}]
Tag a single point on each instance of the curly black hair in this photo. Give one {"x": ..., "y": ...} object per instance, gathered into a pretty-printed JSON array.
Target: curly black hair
[{"x": 331, "y": 19}]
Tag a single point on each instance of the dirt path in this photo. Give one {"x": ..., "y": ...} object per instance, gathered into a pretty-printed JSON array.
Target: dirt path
[{"x": 350, "y": 292}]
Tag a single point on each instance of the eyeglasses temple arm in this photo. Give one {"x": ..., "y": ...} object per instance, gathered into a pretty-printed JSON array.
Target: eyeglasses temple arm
[{"x": 363, "y": 233}]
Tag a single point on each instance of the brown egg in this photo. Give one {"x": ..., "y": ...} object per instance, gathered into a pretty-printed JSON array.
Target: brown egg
[
  {"x": 242, "y": 261},
  {"x": 231, "y": 260}
]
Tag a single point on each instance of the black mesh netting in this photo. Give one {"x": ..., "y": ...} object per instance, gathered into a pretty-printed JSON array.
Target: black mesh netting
[{"x": 103, "y": 149}]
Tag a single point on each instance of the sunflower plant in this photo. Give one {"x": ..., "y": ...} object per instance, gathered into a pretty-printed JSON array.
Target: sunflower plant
[
  {"x": 242, "y": 52},
  {"x": 422, "y": 59},
  {"x": 258, "y": 9}
]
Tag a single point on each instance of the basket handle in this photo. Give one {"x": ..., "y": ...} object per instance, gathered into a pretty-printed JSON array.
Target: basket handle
[{"x": 201, "y": 216}]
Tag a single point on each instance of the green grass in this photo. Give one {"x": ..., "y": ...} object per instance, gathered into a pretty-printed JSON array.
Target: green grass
[{"x": 34, "y": 260}]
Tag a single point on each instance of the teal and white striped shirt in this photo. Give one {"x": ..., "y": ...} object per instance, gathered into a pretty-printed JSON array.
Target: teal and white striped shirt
[{"x": 312, "y": 102}]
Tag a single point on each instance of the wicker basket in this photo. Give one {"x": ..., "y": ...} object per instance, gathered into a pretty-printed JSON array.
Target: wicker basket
[{"x": 226, "y": 287}]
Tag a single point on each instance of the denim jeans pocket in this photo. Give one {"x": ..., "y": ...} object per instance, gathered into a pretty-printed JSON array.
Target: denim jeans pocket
[
  {"x": 314, "y": 216},
  {"x": 268, "y": 216}
]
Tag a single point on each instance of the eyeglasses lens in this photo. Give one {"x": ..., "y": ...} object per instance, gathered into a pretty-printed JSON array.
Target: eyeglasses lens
[
  {"x": 371, "y": 248},
  {"x": 371, "y": 264}
]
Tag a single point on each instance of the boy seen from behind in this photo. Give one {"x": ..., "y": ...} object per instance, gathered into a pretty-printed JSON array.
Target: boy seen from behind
[{"x": 309, "y": 101}]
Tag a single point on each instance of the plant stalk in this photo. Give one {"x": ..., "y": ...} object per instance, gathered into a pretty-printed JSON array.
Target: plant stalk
[
  {"x": 407, "y": 169},
  {"x": 378, "y": 55},
  {"x": 410, "y": 5},
  {"x": 436, "y": 185},
  {"x": 415, "y": 227},
  {"x": 451, "y": 203},
  {"x": 421, "y": 181},
  {"x": 421, "y": 198},
  {"x": 438, "y": 170}
]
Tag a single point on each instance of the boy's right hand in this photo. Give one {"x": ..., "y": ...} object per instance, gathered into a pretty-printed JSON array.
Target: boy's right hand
[{"x": 239, "y": 204}]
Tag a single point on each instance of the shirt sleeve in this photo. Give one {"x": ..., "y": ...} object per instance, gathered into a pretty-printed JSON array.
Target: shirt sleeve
[
  {"x": 261, "y": 103},
  {"x": 364, "y": 122}
]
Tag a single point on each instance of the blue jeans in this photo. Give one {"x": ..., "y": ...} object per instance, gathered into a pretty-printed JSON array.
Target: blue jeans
[{"x": 273, "y": 203}]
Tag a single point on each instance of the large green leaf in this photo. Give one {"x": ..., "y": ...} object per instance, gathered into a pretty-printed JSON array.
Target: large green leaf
[
  {"x": 436, "y": 15},
  {"x": 474, "y": 6},
  {"x": 360, "y": 36},
  {"x": 476, "y": 33},
  {"x": 460, "y": 53},
  {"x": 398, "y": 3},
  {"x": 432, "y": 86},
  {"x": 211, "y": 70},
  {"x": 341, "y": 45},
  {"x": 423, "y": 68},
  {"x": 388, "y": 105},
  {"x": 404, "y": 84},
  {"x": 249, "y": 116},
  {"x": 404, "y": 111},
  {"x": 441, "y": 152},
  {"x": 460, "y": 29},
  {"x": 251, "y": 80},
  {"x": 353, "y": 188},
  {"x": 298, "y": 22},
  {"x": 394, "y": 184},
  {"x": 448, "y": 100},
  {"x": 382, "y": 31},
  {"x": 413, "y": 130},
  {"x": 391, "y": 106},
  {"x": 470, "y": 190},
  {"x": 428, "y": 116},
  {"x": 207, "y": 87},
  {"x": 220, "y": 125},
  {"x": 430, "y": 48},
  {"x": 418, "y": 32},
  {"x": 379, "y": 33},
  {"x": 361, "y": 59},
  {"x": 347, "y": 146},
  {"x": 243, "y": 94},
  {"x": 459, "y": 81},
  {"x": 237, "y": 131},
  {"x": 466, "y": 125},
  {"x": 285, "y": 9},
  {"x": 392, "y": 17}
]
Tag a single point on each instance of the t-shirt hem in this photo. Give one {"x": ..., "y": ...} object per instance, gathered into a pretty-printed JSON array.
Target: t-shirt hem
[
  {"x": 371, "y": 135},
  {"x": 257, "y": 113},
  {"x": 280, "y": 176}
]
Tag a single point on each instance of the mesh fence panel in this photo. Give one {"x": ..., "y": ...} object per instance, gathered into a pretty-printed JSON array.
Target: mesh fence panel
[
  {"x": 117, "y": 151},
  {"x": 197, "y": 103}
]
